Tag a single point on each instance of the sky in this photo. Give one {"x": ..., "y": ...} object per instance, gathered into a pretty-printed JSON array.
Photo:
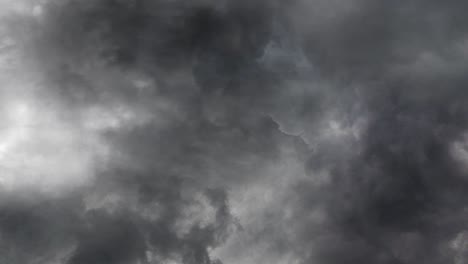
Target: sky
[{"x": 233, "y": 132}]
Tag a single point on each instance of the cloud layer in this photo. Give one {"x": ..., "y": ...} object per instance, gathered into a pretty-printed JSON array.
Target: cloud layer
[{"x": 207, "y": 132}]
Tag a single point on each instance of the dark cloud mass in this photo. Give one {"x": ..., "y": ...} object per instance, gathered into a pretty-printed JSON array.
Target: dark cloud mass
[{"x": 209, "y": 132}]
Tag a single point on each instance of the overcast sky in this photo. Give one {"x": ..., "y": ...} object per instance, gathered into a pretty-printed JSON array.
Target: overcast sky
[{"x": 233, "y": 132}]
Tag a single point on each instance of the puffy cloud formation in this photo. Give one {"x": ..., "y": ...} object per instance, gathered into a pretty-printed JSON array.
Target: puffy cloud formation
[{"x": 208, "y": 132}]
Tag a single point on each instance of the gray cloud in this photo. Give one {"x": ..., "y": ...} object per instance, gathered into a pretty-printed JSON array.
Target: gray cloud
[{"x": 235, "y": 132}]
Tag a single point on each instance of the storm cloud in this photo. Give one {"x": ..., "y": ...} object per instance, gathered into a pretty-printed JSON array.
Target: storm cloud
[{"x": 208, "y": 132}]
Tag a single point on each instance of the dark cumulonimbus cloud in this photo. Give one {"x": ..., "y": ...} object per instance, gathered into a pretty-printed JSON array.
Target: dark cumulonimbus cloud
[{"x": 209, "y": 132}]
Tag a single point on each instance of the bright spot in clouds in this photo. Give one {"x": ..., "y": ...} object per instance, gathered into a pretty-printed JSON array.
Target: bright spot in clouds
[
  {"x": 15, "y": 128},
  {"x": 40, "y": 150}
]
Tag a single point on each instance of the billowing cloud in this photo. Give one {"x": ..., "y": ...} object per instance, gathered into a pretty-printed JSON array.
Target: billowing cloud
[{"x": 207, "y": 132}]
